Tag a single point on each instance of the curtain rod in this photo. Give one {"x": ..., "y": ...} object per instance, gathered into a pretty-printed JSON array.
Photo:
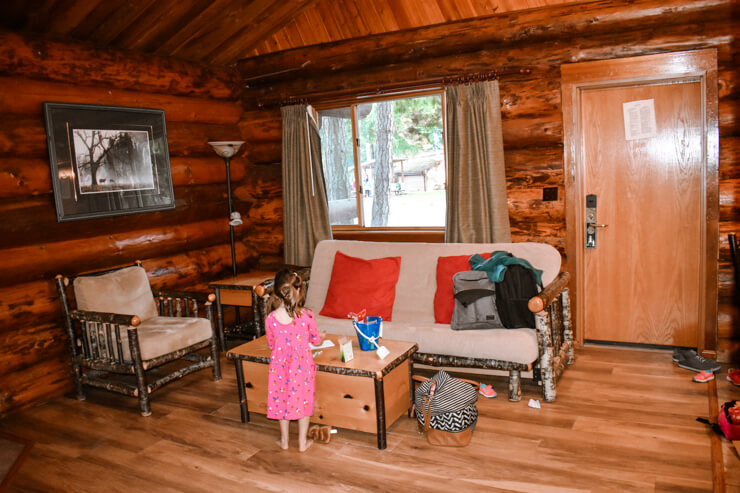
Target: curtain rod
[
  {"x": 406, "y": 89},
  {"x": 483, "y": 76}
]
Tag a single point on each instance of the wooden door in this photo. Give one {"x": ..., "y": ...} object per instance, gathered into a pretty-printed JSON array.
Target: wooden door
[
  {"x": 645, "y": 279},
  {"x": 641, "y": 281}
]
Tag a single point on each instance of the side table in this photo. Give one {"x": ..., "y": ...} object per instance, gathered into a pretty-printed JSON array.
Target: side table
[{"x": 239, "y": 291}]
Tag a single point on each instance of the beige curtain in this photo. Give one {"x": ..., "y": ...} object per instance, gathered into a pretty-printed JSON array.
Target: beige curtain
[
  {"x": 477, "y": 211},
  {"x": 305, "y": 207}
]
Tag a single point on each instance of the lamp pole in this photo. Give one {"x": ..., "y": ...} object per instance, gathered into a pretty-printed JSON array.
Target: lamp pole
[
  {"x": 231, "y": 212},
  {"x": 227, "y": 150}
]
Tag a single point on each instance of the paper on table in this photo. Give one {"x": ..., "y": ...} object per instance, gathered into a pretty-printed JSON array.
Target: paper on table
[{"x": 325, "y": 343}]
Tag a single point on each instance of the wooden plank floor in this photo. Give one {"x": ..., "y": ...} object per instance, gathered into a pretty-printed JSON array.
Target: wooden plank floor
[{"x": 624, "y": 420}]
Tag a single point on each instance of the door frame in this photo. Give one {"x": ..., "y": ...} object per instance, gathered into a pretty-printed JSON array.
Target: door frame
[{"x": 699, "y": 66}]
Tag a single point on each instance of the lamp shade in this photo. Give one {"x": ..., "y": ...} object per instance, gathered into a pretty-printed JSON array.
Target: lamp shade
[{"x": 226, "y": 148}]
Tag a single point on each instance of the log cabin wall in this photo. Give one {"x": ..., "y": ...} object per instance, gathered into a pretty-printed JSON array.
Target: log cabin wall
[
  {"x": 181, "y": 248},
  {"x": 537, "y": 41}
]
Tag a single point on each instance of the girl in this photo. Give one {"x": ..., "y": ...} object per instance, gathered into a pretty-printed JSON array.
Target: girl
[{"x": 291, "y": 382}]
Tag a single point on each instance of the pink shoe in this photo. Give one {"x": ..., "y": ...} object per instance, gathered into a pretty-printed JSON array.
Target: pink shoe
[
  {"x": 704, "y": 376},
  {"x": 487, "y": 391}
]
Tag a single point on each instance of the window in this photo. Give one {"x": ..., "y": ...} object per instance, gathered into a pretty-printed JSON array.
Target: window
[{"x": 394, "y": 176}]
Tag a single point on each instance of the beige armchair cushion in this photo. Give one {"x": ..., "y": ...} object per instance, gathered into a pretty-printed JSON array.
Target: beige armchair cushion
[
  {"x": 164, "y": 335},
  {"x": 125, "y": 291}
]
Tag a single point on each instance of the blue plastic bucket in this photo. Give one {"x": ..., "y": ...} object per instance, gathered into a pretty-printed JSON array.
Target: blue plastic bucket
[{"x": 368, "y": 333}]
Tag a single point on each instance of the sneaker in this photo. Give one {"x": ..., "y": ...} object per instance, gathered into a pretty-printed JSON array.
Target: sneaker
[
  {"x": 733, "y": 376},
  {"x": 691, "y": 360},
  {"x": 679, "y": 351},
  {"x": 704, "y": 376},
  {"x": 487, "y": 391}
]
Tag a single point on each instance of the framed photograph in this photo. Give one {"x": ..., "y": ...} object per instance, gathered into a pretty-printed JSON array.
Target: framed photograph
[{"x": 107, "y": 160}]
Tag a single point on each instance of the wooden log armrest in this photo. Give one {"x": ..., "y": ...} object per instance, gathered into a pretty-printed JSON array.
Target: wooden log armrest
[
  {"x": 106, "y": 318},
  {"x": 546, "y": 296}
]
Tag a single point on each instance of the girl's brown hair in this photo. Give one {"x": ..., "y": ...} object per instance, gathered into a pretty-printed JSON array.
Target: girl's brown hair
[{"x": 288, "y": 291}]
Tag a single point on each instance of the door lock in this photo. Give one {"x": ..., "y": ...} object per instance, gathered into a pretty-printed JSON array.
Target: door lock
[{"x": 591, "y": 224}]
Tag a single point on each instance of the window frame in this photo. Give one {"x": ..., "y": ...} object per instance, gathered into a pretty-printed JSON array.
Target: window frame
[{"x": 392, "y": 233}]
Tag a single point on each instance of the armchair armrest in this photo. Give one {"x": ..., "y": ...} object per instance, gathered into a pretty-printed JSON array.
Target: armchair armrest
[
  {"x": 106, "y": 318},
  {"x": 546, "y": 296}
]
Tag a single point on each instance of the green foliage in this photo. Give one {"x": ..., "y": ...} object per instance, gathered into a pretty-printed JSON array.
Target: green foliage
[{"x": 417, "y": 127}]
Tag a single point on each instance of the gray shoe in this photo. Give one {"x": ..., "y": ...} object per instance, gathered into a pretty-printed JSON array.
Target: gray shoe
[
  {"x": 691, "y": 360},
  {"x": 680, "y": 350}
]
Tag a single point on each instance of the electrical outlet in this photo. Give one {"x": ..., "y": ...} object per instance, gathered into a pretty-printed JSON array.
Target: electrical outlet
[{"x": 549, "y": 194}]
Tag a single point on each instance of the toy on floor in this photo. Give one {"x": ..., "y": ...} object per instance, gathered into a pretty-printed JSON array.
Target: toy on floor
[{"x": 321, "y": 433}]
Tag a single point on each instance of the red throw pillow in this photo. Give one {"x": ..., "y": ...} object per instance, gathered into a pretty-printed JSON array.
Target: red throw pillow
[
  {"x": 444, "y": 297},
  {"x": 358, "y": 283}
]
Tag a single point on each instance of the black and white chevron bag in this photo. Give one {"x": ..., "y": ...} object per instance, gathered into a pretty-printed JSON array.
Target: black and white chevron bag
[{"x": 450, "y": 403}]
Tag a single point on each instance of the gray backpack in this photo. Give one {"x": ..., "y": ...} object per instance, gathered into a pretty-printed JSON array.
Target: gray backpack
[{"x": 475, "y": 302}]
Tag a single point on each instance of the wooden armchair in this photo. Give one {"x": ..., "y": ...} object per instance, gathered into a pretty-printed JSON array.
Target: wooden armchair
[{"x": 118, "y": 334}]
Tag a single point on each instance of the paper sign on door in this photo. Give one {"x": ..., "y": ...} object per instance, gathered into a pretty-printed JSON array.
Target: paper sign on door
[{"x": 639, "y": 119}]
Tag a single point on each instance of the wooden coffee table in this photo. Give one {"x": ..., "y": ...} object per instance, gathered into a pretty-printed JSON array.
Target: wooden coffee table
[{"x": 366, "y": 394}]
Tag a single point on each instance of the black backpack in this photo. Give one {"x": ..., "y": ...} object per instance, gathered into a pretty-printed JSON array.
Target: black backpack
[{"x": 513, "y": 294}]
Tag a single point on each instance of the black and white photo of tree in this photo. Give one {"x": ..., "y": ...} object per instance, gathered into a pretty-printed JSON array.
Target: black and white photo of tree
[{"x": 113, "y": 160}]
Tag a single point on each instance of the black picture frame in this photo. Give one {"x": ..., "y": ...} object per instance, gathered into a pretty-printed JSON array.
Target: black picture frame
[{"x": 107, "y": 160}]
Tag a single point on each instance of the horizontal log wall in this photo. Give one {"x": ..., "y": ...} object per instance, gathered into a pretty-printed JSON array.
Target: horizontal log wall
[
  {"x": 538, "y": 41},
  {"x": 180, "y": 248}
]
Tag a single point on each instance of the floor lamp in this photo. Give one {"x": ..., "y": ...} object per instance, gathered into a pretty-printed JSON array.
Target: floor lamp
[{"x": 227, "y": 150}]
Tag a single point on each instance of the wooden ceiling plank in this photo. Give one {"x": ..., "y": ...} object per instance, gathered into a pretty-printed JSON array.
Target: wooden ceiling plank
[
  {"x": 386, "y": 14},
  {"x": 449, "y": 9},
  {"x": 349, "y": 24},
  {"x": 275, "y": 16},
  {"x": 30, "y": 15},
  {"x": 102, "y": 11},
  {"x": 325, "y": 12},
  {"x": 373, "y": 20},
  {"x": 353, "y": 18},
  {"x": 125, "y": 17},
  {"x": 194, "y": 27},
  {"x": 403, "y": 13},
  {"x": 495, "y": 30},
  {"x": 65, "y": 17},
  {"x": 431, "y": 14},
  {"x": 294, "y": 35},
  {"x": 162, "y": 20},
  {"x": 236, "y": 24},
  {"x": 311, "y": 20}
]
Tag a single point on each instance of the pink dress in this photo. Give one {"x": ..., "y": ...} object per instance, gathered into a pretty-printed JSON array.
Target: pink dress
[{"x": 291, "y": 383}]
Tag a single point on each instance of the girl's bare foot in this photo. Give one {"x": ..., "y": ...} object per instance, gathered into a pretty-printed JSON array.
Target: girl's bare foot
[
  {"x": 305, "y": 446},
  {"x": 283, "y": 444}
]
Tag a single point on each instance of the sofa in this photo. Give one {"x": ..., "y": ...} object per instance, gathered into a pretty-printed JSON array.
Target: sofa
[{"x": 545, "y": 349}]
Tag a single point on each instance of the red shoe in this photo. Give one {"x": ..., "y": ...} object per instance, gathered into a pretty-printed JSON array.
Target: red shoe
[
  {"x": 704, "y": 376},
  {"x": 733, "y": 375}
]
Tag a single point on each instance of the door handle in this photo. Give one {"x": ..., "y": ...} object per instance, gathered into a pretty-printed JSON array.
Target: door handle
[{"x": 591, "y": 223}]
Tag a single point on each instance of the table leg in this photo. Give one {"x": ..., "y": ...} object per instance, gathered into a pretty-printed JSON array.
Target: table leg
[
  {"x": 242, "y": 390},
  {"x": 220, "y": 318},
  {"x": 412, "y": 390},
  {"x": 256, "y": 316},
  {"x": 380, "y": 411}
]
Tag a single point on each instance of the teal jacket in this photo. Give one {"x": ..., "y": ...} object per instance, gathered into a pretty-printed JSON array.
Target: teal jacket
[{"x": 495, "y": 266}]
